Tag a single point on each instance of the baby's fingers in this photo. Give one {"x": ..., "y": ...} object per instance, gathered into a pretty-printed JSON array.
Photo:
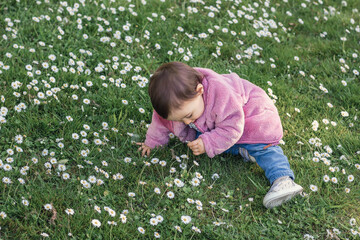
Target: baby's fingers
[
  {"x": 196, "y": 152},
  {"x": 143, "y": 152}
]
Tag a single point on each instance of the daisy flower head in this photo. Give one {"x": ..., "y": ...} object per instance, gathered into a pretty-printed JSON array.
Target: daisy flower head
[
  {"x": 69, "y": 211},
  {"x": 344, "y": 113},
  {"x": 123, "y": 218},
  {"x": 19, "y": 139},
  {"x": 112, "y": 213},
  {"x": 212, "y": 203},
  {"x": 352, "y": 221},
  {"x": 217, "y": 223},
  {"x": 170, "y": 194},
  {"x": 154, "y": 160},
  {"x": 7, "y": 167},
  {"x": 178, "y": 228},
  {"x": 186, "y": 219},
  {"x": 21, "y": 181},
  {"x": 178, "y": 182},
  {"x": 195, "y": 182},
  {"x": 198, "y": 202},
  {"x": 315, "y": 159},
  {"x": 52, "y": 57},
  {"x": 326, "y": 178},
  {"x": 61, "y": 167},
  {"x": 313, "y": 188},
  {"x": 100, "y": 181},
  {"x": 198, "y": 175},
  {"x": 141, "y": 230},
  {"x": 97, "y": 208},
  {"x": 141, "y": 110},
  {"x": 34, "y": 160},
  {"x": 44, "y": 235},
  {"x": 334, "y": 180},
  {"x": 215, "y": 176},
  {"x": 65, "y": 176},
  {"x": 160, "y": 218},
  {"x": 25, "y": 202},
  {"x": 105, "y": 125},
  {"x": 48, "y": 206},
  {"x": 196, "y": 229},
  {"x": 96, "y": 223},
  {"x": 112, "y": 223},
  {"x": 157, "y": 190},
  {"x": 354, "y": 232},
  {"x": 154, "y": 221},
  {"x": 92, "y": 179},
  {"x": 3, "y": 215},
  {"x": 75, "y": 136}
]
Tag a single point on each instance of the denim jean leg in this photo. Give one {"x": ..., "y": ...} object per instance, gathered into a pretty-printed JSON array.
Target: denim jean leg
[{"x": 272, "y": 160}]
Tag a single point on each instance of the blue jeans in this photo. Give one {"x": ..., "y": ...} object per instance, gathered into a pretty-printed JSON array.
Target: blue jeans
[{"x": 270, "y": 158}]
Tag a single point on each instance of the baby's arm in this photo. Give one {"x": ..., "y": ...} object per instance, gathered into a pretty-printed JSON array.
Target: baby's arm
[{"x": 157, "y": 135}]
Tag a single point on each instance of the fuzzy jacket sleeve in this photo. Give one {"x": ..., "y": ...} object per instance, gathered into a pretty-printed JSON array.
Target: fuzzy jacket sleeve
[
  {"x": 227, "y": 111},
  {"x": 157, "y": 133}
]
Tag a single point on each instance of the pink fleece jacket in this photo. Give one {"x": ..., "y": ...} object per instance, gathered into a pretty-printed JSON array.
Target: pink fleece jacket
[{"x": 236, "y": 111}]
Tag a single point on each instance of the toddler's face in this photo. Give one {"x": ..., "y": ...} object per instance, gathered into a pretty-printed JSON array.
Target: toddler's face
[{"x": 190, "y": 110}]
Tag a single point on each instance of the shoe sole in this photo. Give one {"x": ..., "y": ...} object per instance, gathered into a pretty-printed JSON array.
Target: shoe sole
[{"x": 281, "y": 198}]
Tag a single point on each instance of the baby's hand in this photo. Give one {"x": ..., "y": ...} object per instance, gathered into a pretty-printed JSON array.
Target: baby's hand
[
  {"x": 197, "y": 146},
  {"x": 144, "y": 148}
]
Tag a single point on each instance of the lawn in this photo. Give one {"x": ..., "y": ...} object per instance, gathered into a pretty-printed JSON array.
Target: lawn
[{"x": 73, "y": 89}]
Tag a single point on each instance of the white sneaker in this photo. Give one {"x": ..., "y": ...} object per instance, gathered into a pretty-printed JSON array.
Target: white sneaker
[
  {"x": 282, "y": 190},
  {"x": 246, "y": 156}
]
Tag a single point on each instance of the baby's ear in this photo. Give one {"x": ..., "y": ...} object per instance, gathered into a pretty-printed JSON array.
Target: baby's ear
[{"x": 200, "y": 88}]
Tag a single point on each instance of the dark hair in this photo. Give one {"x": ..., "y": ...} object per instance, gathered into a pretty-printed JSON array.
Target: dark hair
[{"x": 171, "y": 85}]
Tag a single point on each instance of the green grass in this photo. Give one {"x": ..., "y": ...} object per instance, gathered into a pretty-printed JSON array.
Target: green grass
[{"x": 319, "y": 214}]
